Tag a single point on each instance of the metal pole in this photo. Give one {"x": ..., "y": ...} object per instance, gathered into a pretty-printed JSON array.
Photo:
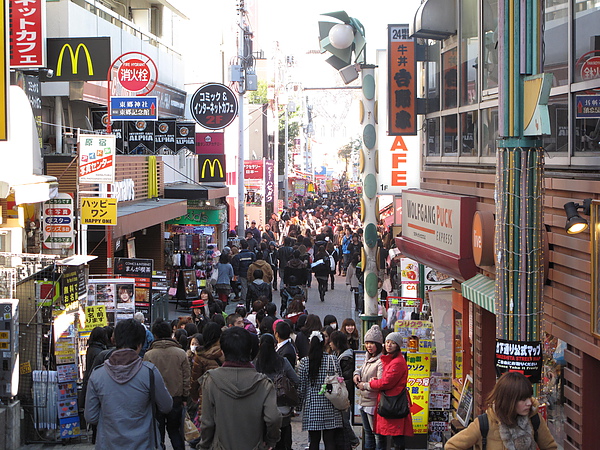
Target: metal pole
[
  {"x": 242, "y": 90},
  {"x": 286, "y": 157}
]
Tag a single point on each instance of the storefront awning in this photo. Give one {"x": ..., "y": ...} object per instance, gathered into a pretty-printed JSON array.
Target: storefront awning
[
  {"x": 480, "y": 290},
  {"x": 192, "y": 191},
  {"x": 135, "y": 216},
  {"x": 30, "y": 189}
]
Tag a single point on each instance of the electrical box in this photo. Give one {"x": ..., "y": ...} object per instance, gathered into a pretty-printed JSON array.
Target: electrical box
[
  {"x": 9, "y": 345},
  {"x": 251, "y": 81},
  {"x": 235, "y": 73}
]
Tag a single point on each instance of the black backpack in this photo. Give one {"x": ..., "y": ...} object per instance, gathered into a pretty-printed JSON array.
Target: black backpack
[{"x": 484, "y": 426}]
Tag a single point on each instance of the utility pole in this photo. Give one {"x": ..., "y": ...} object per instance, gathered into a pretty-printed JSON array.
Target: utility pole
[{"x": 244, "y": 61}]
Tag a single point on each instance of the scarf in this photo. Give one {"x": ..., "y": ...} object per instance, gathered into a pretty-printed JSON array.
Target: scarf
[{"x": 519, "y": 437}]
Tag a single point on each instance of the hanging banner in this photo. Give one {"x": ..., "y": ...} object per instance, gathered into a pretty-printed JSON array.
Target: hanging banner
[
  {"x": 58, "y": 230},
  {"x": 164, "y": 137},
  {"x": 520, "y": 356},
  {"x": 402, "y": 82},
  {"x": 27, "y": 34},
  {"x": 419, "y": 371},
  {"x": 269, "y": 180},
  {"x": 185, "y": 136},
  {"x": 140, "y": 137},
  {"x": 96, "y": 158},
  {"x": 95, "y": 316}
]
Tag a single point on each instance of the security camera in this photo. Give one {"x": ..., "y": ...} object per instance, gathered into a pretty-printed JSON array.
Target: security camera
[{"x": 48, "y": 73}]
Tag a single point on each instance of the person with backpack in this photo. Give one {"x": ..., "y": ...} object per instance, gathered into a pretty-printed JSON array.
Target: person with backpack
[
  {"x": 511, "y": 420},
  {"x": 277, "y": 368},
  {"x": 321, "y": 268}
]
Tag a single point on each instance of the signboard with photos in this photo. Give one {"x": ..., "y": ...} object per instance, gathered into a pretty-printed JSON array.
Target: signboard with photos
[{"x": 115, "y": 294}]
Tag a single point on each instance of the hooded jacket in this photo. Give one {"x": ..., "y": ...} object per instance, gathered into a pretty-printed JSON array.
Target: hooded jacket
[
  {"x": 242, "y": 261},
  {"x": 118, "y": 400},
  {"x": 204, "y": 361},
  {"x": 266, "y": 270},
  {"x": 172, "y": 362},
  {"x": 226, "y": 392},
  {"x": 471, "y": 436}
]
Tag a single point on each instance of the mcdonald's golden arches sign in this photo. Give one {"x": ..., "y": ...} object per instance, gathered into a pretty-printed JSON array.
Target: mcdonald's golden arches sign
[
  {"x": 211, "y": 167},
  {"x": 78, "y": 59}
]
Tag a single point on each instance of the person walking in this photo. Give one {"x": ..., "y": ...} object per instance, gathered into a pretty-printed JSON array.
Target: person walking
[
  {"x": 272, "y": 260},
  {"x": 258, "y": 288},
  {"x": 321, "y": 270},
  {"x": 172, "y": 362},
  {"x": 269, "y": 362},
  {"x": 237, "y": 388},
  {"x": 393, "y": 381},
  {"x": 319, "y": 417},
  {"x": 225, "y": 275},
  {"x": 512, "y": 412},
  {"x": 121, "y": 391},
  {"x": 367, "y": 401},
  {"x": 240, "y": 263}
]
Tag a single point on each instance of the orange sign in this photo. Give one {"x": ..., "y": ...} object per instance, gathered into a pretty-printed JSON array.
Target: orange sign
[{"x": 402, "y": 83}]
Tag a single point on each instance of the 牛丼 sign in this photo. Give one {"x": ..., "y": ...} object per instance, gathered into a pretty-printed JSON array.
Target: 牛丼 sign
[{"x": 402, "y": 82}]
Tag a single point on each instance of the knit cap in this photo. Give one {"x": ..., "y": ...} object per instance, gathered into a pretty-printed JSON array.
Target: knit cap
[
  {"x": 396, "y": 337},
  {"x": 374, "y": 335}
]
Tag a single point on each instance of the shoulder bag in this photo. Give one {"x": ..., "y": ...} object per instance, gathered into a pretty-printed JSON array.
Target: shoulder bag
[
  {"x": 335, "y": 388},
  {"x": 394, "y": 406}
]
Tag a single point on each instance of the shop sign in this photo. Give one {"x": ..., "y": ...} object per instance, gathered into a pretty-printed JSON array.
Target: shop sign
[
  {"x": 419, "y": 371},
  {"x": 214, "y": 106},
  {"x": 69, "y": 284},
  {"x": 185, "y": 136},
  {"x": 98, "y": 211},
  {"x": 27, "y": 34},
  {"x": 198, "y": 217},
  {"x": 141, "y": 270},
  {"x": 95, "y": 316},
  {"x": 78, "y": 59},
  {"x": 115, "y": 294},
  {"x": 164, "y": 136},
  {"x": 398, "y": 162},
  {"x": 525, "y": 357},
  {"x": 409, "y": 278},
  {"x": 124, "y": 190},
  {"x": 483, "y": 238},
  {"x": 140, "y": 135},
  {"x": 134, "y": 108},
  {"x": 402, "y": 81},
  {"x": 588, "y": 106},
  {"x": 212, "y": 167},
  {"x": 58, "y": 229},
  {"x": 299, "y": 188},
  {"x": 269, "y": 181},
  {"x": 253, "y": 169},
  {"x": 422, "y": 329},
  {"x": 210, "y": 143},
  {"x": 96, "y": 158}
]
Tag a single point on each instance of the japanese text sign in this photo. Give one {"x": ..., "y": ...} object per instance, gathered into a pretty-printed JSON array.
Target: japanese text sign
[
  {"x": 95, "y": 316},
  {"x": 253, "y": 169},
  {"x": 417, "y": 384},
  {"x": 98, "y": 211},
  {"x": 96, "y": 158},
  {"x": 27, "y": 33},
  {"x": 58, "y": 229},
  {"x": 210, "y": 143},
  {"x": 588, "y": 106},
  {"x": 402, "y": 83},
  {"x": 214, "y": 106},
  {"x": 134, "y": 108},
  {"x": 520, "y": 356}
]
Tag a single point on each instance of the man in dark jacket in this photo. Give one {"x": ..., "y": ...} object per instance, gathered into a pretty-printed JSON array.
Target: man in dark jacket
[
  {"x": 255, "y": 231},
  {"x": 237, "y": 386},
  {"x": 258, "y": 288},
  {"x": 118, "y": 396},
  {"x": 174, "y": 366},
  {"x": 284, "y": 254},
  {"x": 240, "y": 263},
  {"x": 285, "y": 346}
]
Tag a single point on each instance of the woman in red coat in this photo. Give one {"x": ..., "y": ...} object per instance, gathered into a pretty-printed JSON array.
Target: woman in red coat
[{"x": 392, "y": 381}]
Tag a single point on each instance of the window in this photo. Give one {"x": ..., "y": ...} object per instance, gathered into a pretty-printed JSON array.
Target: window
[
  {"x": 490, "y": 49},
  {"x": 587, "y": 40},
  {"x": 556, "y": 44},
  {"x": 433, "y": 77},
  {"x": 489, "y": 131},
  {"x": 450, "y": 80},
  {"x": 433, "y": 137},
  {"x": 450, "y": 135},
  {"x": 558, "y": 140},
  {"x": 469, "y": 49},
  {"x": 468, "y": 131}
]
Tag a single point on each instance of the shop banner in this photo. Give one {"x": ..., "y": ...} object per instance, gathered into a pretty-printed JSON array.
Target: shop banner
[
  {"x": 419, "y": 370},
  {"x": 520, "y": 356},
  {"x": 253, "y": 169},
  {"x": 184, "y": 136},
  {"x": 95, "y": 316},
  {"x": 115, "y": 294},
  {"x": 409, "y": 277},
  {"x": 98, "y": 211},
  {"x": 27, "y": 34},
  {"x": 269, "y": 180},
  {"x": 96, "y": 158},
  {"x": 164, "y": 137},
  {"x": 210, "y": 143},
  {"x": 402, "y": 81},
  {"x": 140, "y": 135}
]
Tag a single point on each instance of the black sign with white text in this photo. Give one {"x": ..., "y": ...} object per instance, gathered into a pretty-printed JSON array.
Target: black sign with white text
[{"x": 520, "y": 356}]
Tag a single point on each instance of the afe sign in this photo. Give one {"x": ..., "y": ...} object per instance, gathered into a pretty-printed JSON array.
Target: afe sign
[{"x": 483, "y": 238}]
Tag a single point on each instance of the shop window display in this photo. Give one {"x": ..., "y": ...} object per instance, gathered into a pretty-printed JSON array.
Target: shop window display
[{"x": 552, "y": 385}]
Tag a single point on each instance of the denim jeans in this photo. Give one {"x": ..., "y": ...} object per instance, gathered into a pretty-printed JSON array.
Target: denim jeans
[
  {"x": 372, "y": 441},
  {"x": 172, "y": 421}
]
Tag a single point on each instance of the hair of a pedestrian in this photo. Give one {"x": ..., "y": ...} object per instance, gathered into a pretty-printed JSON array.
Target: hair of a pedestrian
[
  {"x": 267, "y": 359},
  {"x": 98, "y": 334},
  {"x": 339, "y": 341},
  {"x": 287, "y": 241},
  {"x": 191, "y": 329},
  {"x": 349, "y": 321},
  {"x": 313, "y": 323},
  {"x": 161, "y": 329},
  {"x": 211, "y": 298},
  {"x": 224, "y": 258},
  {"x": 302, "y": 249},
  {"x": 315, "y": 357},
  {"x": 139, "y": 316},
  {"x": 511, "y": 388},
  {"x": 199, "y": 338},
  {"x": 266, "y": 325},
  {"x": 295, "y": 305},
  {"x": 218, "y": 319},
  {"x": 329, "y": 247},
  {"x": 231, "y": 318},
  {"x": 258, "y": 273},
  {"x": 174, "y": 325},
  {"x": 181, "y": 337},
  {"x": 109, "y": 333},
  {"x": 271, "y": 309},
  {"x": 300, "y": 322},
  {"x": 236, "y": 345},
  {"x": 243, "y": 244},
  {"x": 184, "y": 320},
  {"x": 283, "y": 329},
  {"x": 257, "y": 305},
  {"x": 211, "y": 334},
  {"x": 129, "y": 333},
  {"x": 241, "y": 311},
  {"x": 329, "y": 319},
  {"x": 296, "y": 254}
]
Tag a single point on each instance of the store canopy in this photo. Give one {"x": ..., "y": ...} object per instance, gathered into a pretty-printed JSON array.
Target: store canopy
[
  {"x": 191, "y": 191},
  {"x": 29, "y": 188},
  {"x": 480, "y": 290},
  {"x": 136, "y": 216}
]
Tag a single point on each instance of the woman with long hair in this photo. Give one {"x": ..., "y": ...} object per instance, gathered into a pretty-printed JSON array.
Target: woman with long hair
[
  {"x": 209, "y": 356},
  {"x": 511, "y": 414},
  {"x": 393, "y": 381},
  {"x": 319, "y": 417},
  {"x": 313, "y": 323},
  {"x": 351, "y": 333},
  {"x": 345, "y": 356},
  {"x": 271, "y": 364},
  {"x": 225, "y": 275},
  {"x": 371, "y": 368}
]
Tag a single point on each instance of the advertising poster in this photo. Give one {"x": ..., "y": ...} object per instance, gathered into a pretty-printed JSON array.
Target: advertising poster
[
  {"x": 421, "y": 329},
  {"x": 409, "y": 277},
  {"x": 419, "y": 370},
  {"x": 141, "y": 270},
  {"x": 96, "y": 158},
  {"x": 95, "y": 316},
  {"x": 116, "y": 295},
  {"x": 520, "y": 356}
]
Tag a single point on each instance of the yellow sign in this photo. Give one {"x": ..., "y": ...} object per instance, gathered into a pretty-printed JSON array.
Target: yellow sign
[
  {"x": 95, "y": 316},
  {"x": 212, "y": 164},
  {"x": 25, "y": 368},
  {"x": 74, "y": 59},
  {"x": 419, "y": 371},
  {"x": 98, "y": 211},
  {"x": 3, "y": 75}
]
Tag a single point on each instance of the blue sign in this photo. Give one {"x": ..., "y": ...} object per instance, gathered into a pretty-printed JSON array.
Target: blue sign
[
  {"x": 134, "y": 108},
  {"x": 587, "y": 106}
]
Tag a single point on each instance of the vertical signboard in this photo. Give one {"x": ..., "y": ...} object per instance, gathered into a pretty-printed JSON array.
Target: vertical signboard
[
  {"x": 402, "y": 82},
  {"x": 27, "y": 34},
  {"x": 96, "y": 158},
  {"x": 269, "y": 180},
  {"x": 164, "y": 137},
  {"x": 141, "y": 271},
  {"x": 4, "y": 74},
  {"x": 419, "y": 371},
  {"x": 141, "y": 137},
  {"x": 58, "y": 228},
  {"x": 185, "y": 136}
]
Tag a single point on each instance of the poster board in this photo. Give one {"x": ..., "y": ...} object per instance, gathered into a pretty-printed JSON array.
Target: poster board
[
  {"x": 465, "y": 404},
  {"x": 117, "y": 296},
  {"x": 360, "y": 356}
]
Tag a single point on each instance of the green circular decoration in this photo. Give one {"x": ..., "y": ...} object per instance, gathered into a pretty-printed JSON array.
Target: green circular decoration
[
  {"x": 368, "y": 87},
  {"x": 371, "y": 284},
  {"x": 370, "y": 235},
  {"x": 369, "y": 136},
  {"x": 370, "y": 186}
]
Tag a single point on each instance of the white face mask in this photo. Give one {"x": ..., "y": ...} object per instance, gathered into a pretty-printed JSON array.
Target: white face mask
[
  {"x": 333, "y": 325},
  {"x": 194, "y": 348}
]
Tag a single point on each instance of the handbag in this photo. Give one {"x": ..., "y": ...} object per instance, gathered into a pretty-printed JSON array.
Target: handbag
[
  {"x": 287, "y": 395},
  {"x": 214, "y": 276},
  {"x": 190, "y": 430},
  {"x": 393, "y": 406},
  {"x": 335, "y": 389}
]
